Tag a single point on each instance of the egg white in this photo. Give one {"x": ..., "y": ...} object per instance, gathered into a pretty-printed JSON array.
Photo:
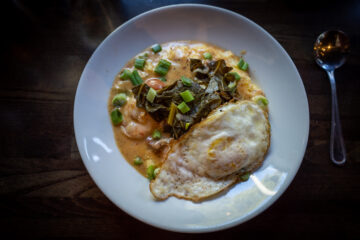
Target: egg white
[{"x": 209, "y": 158}]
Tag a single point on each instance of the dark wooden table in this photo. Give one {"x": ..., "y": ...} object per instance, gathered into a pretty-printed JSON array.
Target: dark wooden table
[{"x": 45, "y": 190}]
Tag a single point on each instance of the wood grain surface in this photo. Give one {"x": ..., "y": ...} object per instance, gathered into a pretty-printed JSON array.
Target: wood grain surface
[{"x": 45, "y": 190}]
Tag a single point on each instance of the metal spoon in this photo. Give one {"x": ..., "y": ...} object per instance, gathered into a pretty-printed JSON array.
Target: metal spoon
[{"x": 330, "y": 51}]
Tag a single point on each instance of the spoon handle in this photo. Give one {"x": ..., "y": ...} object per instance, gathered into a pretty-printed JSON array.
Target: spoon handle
[{"x": 337, "y": 146}]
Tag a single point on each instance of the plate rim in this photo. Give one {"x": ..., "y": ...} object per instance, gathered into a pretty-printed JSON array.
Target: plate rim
[{"x": 234, "y": 222}]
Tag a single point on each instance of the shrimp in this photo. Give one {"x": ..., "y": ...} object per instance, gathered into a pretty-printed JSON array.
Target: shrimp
[
  {"x": 137, "y": 123},
  {"x": 155, "y": 83},
  {"x": 160, "y": 147},
  {"x": 158, "y": 144}
]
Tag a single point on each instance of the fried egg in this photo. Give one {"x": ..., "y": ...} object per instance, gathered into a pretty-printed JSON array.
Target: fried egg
[{"x": 212, "y": 155}]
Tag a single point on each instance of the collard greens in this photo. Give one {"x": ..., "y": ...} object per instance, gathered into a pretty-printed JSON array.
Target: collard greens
[{"x": 209, "y": 89}]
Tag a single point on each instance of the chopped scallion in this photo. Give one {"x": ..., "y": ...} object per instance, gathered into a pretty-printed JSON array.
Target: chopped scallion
[
  {"x": 151, "y": 95},
  {"x": 116, "y": 116},
  {"x": 156, "y": 48},
  {"x": 183, "y": 107},
  {"x": 172, "y": 114},
  {"x": 156, "y": 134},
  {"x": 242, "y": 65},
  {"x": 163, "y": 67},
  {"x": 125, "y": 75},
  {"x": 261, "y": 100},
  {"x": 207, "y": 55},
  {"x": 187, "y": 96},
  {"x": 245, "y": 66},
  {"x": 135, "y": 78},
  {"x": 187, "y": 125},
  {"x": 139, "y": 63},
  {"x": 186, "y": 81},
  {"x": 144, "y": 56},
  {"x": 150, "y": 172},
  {"x": 119, "y": 99},
  {"x": 236, "y": 75},
  {"x": 156, "y": 171},
  {"x": 138, "y": 161},
  {"x": 245, "y": 177},
  {"x": 232, "y": 86}
]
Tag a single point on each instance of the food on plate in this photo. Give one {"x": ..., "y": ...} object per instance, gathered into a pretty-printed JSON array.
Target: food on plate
[
  {"x": 230, "y": 142},
  {"x": 187, "y": 116}
]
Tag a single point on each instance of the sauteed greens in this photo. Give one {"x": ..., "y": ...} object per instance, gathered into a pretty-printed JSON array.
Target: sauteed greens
[{"x": 187, "y": 101}]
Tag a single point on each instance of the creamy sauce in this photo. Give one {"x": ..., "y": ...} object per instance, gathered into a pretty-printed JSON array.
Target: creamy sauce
[{"x": 178, "y": 53}]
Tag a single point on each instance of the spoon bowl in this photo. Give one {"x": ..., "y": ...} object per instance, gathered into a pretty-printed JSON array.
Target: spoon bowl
[{"x": 330, "y": 51}]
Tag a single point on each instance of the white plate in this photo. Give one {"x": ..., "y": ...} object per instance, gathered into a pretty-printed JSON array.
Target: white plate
[{"x": 271, "y": 67}]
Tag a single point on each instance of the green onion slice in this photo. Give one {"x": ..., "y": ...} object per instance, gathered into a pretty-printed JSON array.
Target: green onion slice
[
  {"x": 119, "y": 100},
  {"x": 187, "y": 96},
  {"x": 156, "y": 172},
  {"x": 116, "y": 116},
  {"x": 125, "y": 75},
  {"x": 261, "y": 100},
  {"x": 156, "y": 134},
  {"x": 183, "y": 107},
  {"x": 207, "y": 55},
  {"x": 186, "y": 81},
  {"x": 150, "y": 172},
  {"x": 139, "y": 63},
  {"x": 236, "y": 75},
  {"x": 135, "y": 78},
  {"x": 232, "y": 85},
  {"x": 156, "y": 48},
  {"x": 187, "y": 125},
  {"x": 144, "y": 56},
  {"x": 245, "y": 177},
  {"x": 150, "y": 96},
  {"x": 245, "y": 66},
  {"x": 242, "y": 65},
  {"x": 163, "y": 67},
  {"x": 137, "y": 160}
]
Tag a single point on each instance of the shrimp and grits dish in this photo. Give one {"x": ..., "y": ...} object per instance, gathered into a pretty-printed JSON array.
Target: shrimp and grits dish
[{"x": 187, "y": 116}]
